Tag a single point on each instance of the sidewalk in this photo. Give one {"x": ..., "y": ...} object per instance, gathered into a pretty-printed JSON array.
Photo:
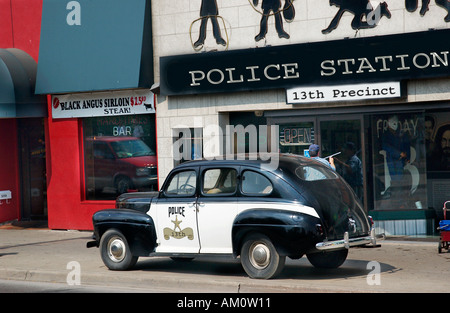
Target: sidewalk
[
  {"x": 24, "y": 225},
  {"x": 29, "y": 251}
]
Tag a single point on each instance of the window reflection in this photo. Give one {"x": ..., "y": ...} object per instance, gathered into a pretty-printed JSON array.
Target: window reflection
[{"x": 119, "y": 156}]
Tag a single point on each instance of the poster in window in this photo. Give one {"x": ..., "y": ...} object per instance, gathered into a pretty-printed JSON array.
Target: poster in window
[
  {"x": 437, "y": 145},
  {"x": 437, "y": 141},
  {"x": 399, "y": 161}
]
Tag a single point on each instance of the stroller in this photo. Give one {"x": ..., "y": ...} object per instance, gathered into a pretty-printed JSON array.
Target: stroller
[{"x": 444, "y": 228}]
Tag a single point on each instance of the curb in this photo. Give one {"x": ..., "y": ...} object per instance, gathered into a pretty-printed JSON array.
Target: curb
[{"x": 169, "y": 284}]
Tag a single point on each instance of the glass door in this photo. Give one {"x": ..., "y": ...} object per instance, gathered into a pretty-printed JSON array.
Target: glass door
[
  {"x": 342, "y": 134},
  {"x": 33, "y": 168},
  {"x": 343, "y": 138}
]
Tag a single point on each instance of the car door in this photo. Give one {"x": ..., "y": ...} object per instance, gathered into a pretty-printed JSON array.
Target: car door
[
  {"x": 216, "y": 208},
  {"x": 175, "y": 213}
]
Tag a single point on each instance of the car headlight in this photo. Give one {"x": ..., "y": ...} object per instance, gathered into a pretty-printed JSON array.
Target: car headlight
[{"x": 142, "y": 171}]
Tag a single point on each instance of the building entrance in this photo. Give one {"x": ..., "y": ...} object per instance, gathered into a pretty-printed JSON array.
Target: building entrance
[
  {"x": 32, "y": 168},
  {"x": 343, "y": 135}
]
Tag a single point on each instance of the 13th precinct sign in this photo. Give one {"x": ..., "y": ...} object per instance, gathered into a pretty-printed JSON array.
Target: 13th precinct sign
[
  {"x": 371, "y": 59},
  {"x": 339, "y": 93}
]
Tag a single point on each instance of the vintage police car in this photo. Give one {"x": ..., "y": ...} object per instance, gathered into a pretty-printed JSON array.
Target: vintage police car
[{"x": 238, "y": 208}]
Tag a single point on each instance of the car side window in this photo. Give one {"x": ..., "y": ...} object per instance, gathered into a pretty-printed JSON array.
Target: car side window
[
  {"x": 182, "y": 184},
  {"x": 101, "y": 151},
  {"x": 254, "y": 183},
  {"x": 219, "y": 181}
]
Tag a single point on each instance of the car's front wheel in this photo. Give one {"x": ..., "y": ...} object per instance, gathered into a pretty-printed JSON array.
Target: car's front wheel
[
  {"x": 259, "y": 257},
  {"x": 115, "y": 251}
]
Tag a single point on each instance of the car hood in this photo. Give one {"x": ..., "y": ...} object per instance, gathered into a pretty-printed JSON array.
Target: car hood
[
  {"x": 141, "y": 161},
  {"x": 338, "y": 208},
  {"x": 139, "y": 201}
]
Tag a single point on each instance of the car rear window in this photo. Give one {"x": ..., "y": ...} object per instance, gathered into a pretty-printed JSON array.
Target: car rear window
[
  {"x": 255, "y": 184},
  {"x": 313, "y": 173}
]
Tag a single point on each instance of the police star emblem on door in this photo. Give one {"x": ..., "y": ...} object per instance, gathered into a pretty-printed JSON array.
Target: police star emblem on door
[{"x": 180, "y": 234}]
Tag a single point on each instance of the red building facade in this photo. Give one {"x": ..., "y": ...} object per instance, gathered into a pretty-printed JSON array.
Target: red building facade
[
  {"x": 20, "y": 22},
  {"x": 52, "y": 170}
]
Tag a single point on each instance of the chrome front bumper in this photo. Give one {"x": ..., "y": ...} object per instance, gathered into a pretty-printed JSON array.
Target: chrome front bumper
[{"x": 350, "y": 242}]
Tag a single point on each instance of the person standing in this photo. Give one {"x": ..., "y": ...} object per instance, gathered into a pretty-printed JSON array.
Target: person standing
[
  {"x": 314, "y": 154},
  {"x": 352, "y": 169}
]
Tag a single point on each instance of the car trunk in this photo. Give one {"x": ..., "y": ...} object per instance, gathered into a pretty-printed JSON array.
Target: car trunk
[{"x": 338, "y": 208}]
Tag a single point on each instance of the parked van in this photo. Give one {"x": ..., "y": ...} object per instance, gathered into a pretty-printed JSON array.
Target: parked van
[{"x": 119, "y": 164}]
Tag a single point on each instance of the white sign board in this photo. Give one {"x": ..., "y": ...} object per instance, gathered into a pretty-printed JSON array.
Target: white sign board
[
  {"x": 112, "y": 103},
  {"x": 5, "y": 195},
  {"x": 344, "y": 92}
]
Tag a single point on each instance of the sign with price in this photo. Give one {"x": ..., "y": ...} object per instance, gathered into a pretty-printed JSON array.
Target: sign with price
[{"x": 103, "y": 104}]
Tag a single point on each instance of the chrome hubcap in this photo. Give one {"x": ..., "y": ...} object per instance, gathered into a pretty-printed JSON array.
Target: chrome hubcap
[
  {"x": 117, "y": 250},
  {"x": 259, "y": 255}
]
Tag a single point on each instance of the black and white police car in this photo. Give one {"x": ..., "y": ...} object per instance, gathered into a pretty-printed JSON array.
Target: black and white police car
[{"x": 238, "y": 208}]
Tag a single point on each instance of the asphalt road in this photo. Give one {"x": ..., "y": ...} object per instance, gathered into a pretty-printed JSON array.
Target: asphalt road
[{"x": 61, "y": 261}]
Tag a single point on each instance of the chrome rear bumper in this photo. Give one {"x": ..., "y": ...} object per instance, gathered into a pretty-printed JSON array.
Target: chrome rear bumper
[{"x": 350, "y": 242}]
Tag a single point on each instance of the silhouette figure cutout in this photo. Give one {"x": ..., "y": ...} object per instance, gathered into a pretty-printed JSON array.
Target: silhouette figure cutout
[
  {"x": 209, "y": 10},
  {"x": 361, "y": 9},
  {"x": 446, "y": 5},
  {"x": 288, "y": 11},
  {"x": 412, "y": 5},
  {"x": 274, "y": 6}
]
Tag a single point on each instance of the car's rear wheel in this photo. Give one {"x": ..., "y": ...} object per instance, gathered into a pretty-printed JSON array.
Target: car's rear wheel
[
  {"x": 115, "y": 251},
  {"x": 259, "y": 258},
  {"x": 329, "y": 259}
]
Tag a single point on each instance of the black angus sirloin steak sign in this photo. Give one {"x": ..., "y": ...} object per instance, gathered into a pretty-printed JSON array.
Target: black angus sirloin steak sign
[{"x": 370, "y": 59}]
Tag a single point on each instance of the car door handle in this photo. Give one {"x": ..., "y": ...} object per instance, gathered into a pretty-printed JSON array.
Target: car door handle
[{"x": 200, "y": 204}]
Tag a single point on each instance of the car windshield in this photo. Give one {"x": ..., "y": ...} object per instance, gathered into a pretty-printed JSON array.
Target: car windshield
[
  {"x": 313, "y": 172},
  {"x": 131, "y": 148}
]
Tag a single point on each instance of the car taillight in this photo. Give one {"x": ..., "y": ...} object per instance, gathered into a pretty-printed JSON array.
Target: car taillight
[{"x": 319, "y": 229}]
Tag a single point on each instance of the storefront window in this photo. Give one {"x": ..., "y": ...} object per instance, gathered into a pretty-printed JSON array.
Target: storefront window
[
  {"x": 399, "y": 161},
  {"x": 119, "y": 155}
]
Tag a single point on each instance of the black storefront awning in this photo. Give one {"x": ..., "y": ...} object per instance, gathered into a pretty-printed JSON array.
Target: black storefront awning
[{"x": 17, "y": 84}]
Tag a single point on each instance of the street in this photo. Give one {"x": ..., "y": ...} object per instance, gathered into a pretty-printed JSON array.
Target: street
[{"x": 60, "y": 262}]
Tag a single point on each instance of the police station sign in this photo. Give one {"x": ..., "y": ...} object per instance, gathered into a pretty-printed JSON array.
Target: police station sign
[
  {"x": 103, "y": 104},
  {"x": 351, "y": 61}
]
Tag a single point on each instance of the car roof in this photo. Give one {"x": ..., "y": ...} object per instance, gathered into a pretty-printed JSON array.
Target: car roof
[{"x": 285, "y": 161}]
